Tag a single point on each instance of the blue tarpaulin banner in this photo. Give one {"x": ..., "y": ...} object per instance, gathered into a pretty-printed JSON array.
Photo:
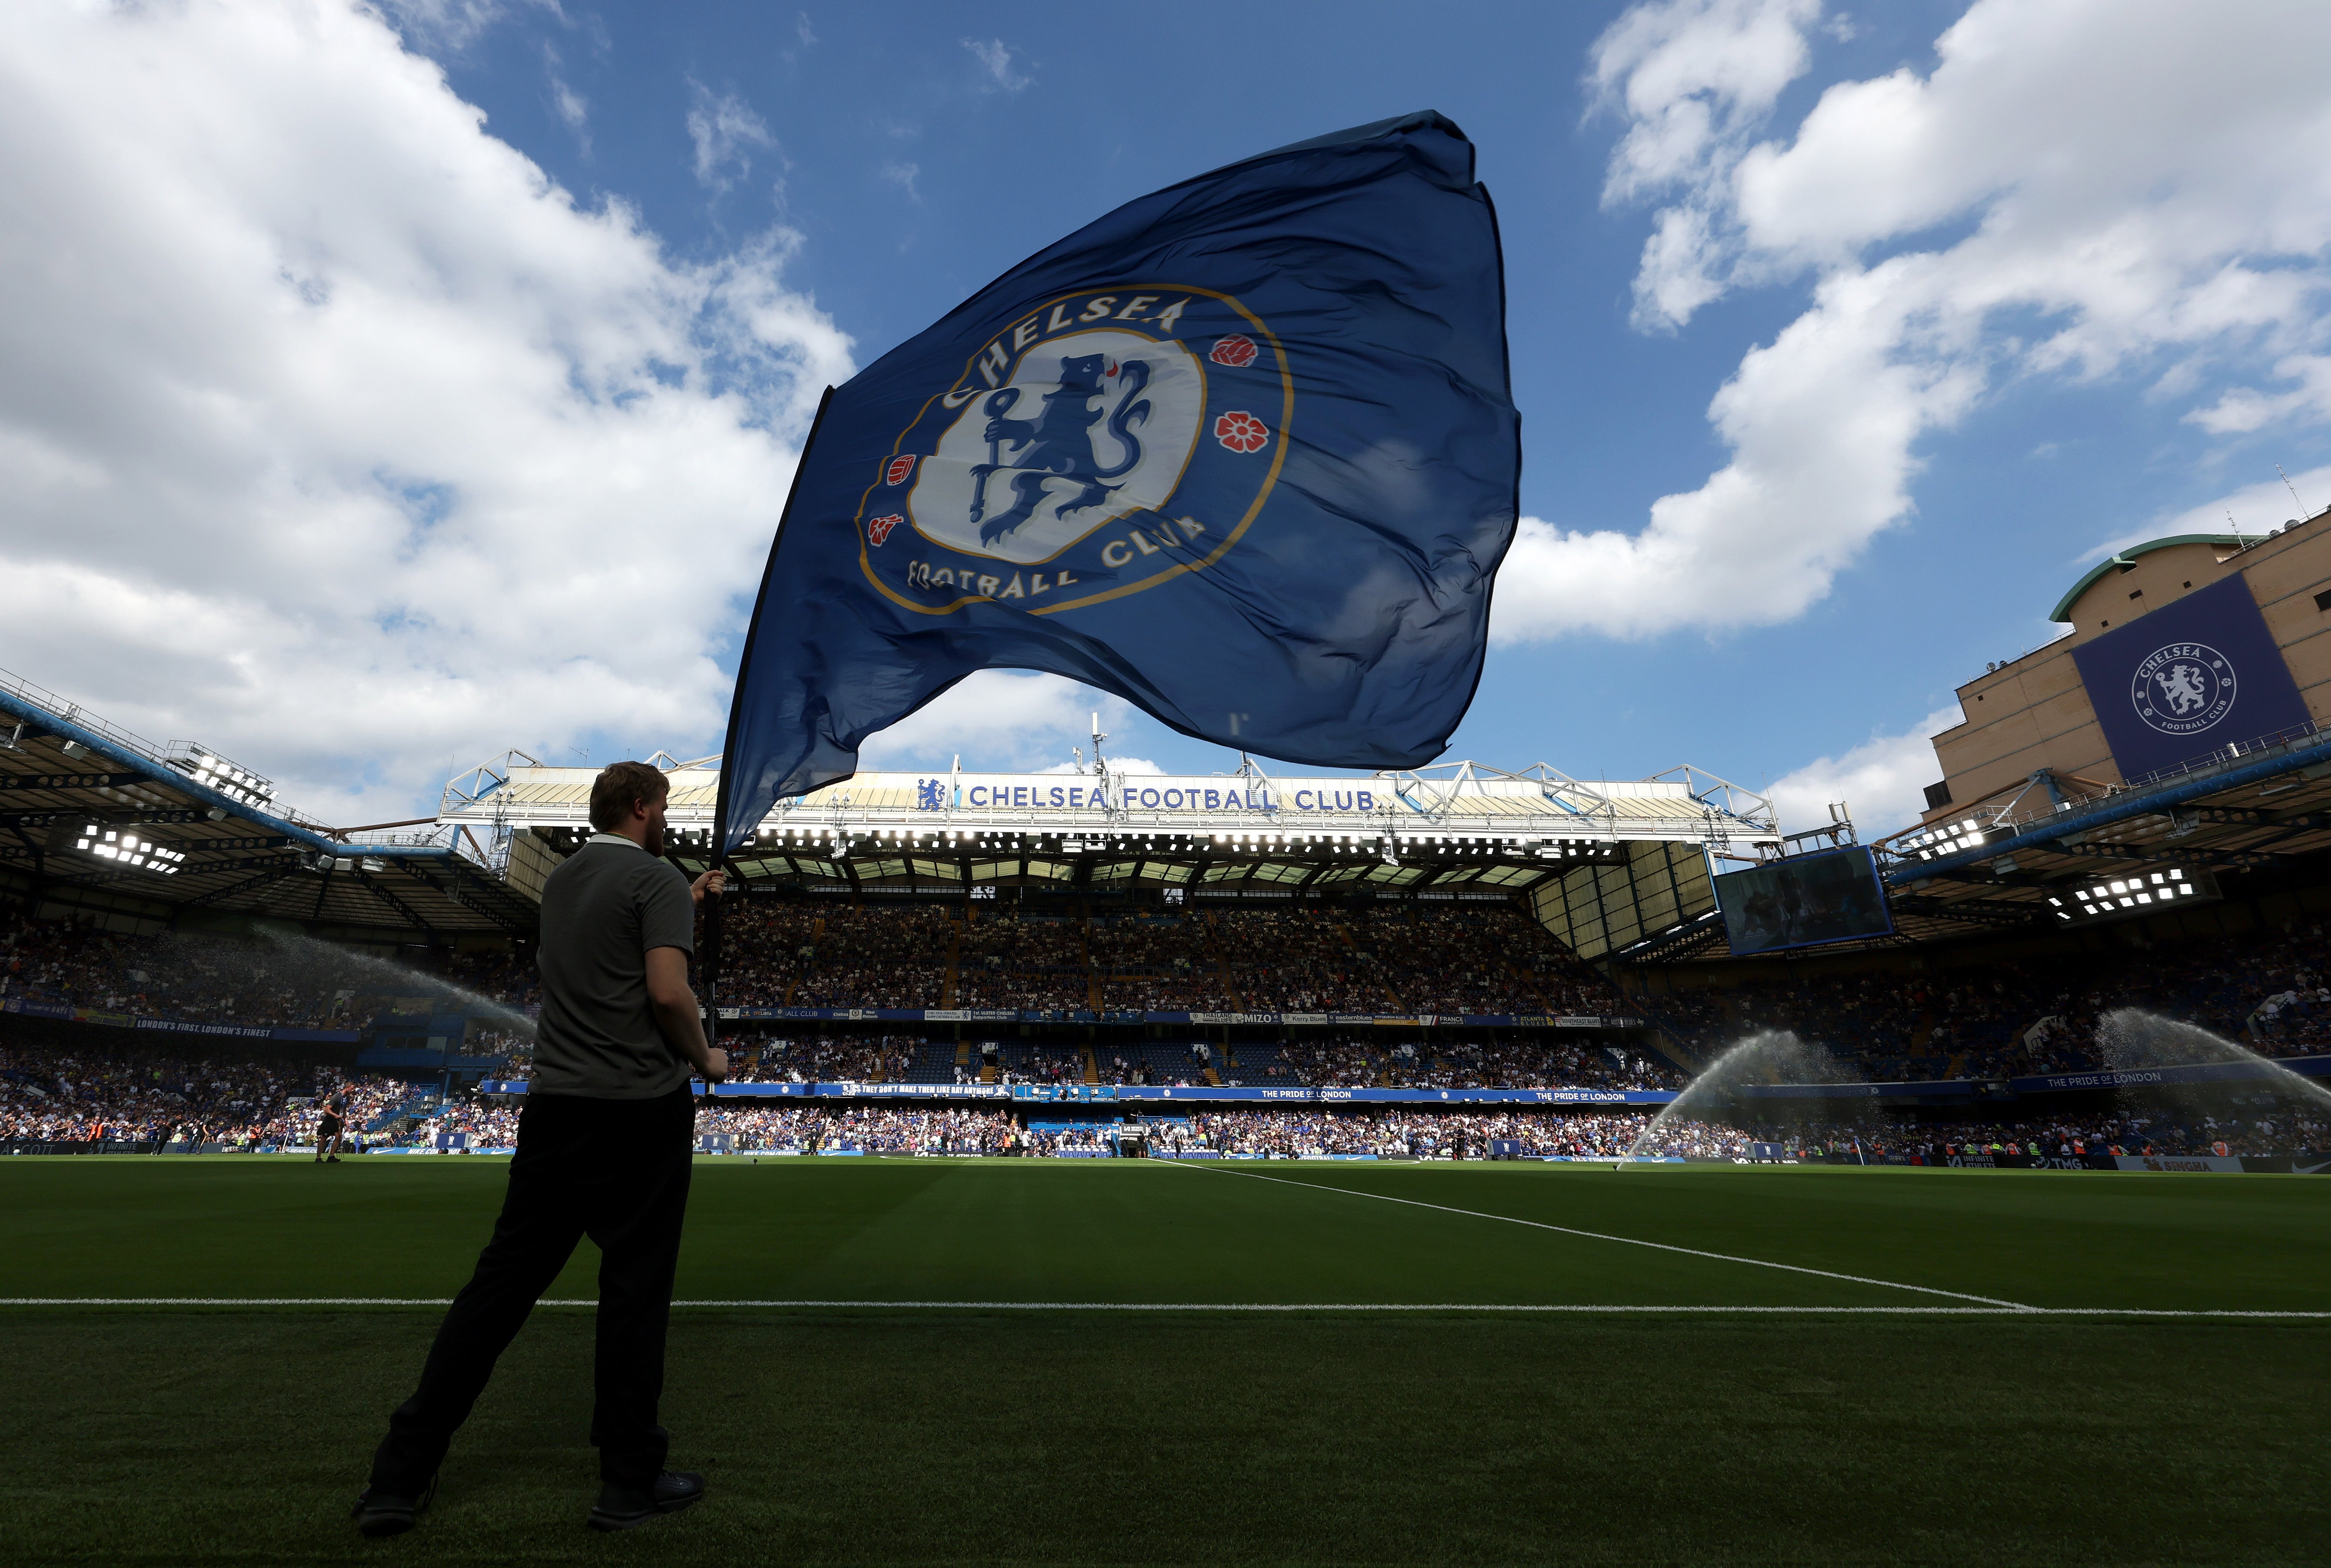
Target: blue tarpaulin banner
[
  {"x": 1243, "y": 452},
  {"x": 2198, "y": 674}
]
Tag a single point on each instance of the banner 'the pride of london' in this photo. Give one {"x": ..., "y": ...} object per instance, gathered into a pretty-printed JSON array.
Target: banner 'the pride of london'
[{"x": 1243, "y": 453}]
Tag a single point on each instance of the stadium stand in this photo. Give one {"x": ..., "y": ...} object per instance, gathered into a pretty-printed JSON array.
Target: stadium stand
[
  {"x": 2020, "y": 1016},
  {"x": 131, "y": 1099},
  {"x": 1477, "y": 946}
]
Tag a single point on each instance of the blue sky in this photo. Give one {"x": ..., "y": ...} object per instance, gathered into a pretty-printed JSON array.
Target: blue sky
[{"x": 1992, "y": 289}]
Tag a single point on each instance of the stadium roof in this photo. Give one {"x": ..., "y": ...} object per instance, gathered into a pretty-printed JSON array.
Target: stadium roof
[
  {"x": 2047, "y": 854},
  {"x": 1439, "y": 828},
  {"x": 98, "y": 819}
]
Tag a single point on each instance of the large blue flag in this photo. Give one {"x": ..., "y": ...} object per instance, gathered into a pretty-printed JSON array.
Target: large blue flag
[{"x": 1243, "y": 452}]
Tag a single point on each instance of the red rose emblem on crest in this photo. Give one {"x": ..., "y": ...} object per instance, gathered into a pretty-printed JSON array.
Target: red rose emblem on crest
[
  {"x": 898, "y": 469},
  {"x": 878, "y": 528},
  {"x": 1241, "y": 431},
  {"x": 1236, "y": 351}
]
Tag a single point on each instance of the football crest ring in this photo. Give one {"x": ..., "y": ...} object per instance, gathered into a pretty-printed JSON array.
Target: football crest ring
[
  {"x": 1099, "y": 444},
  {"x": 2183, "y": 688}
]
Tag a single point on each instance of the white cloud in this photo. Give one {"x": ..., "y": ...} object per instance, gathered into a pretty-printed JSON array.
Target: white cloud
[
  {"x": 2254, "y": 509},
  {"x": 453, "y": 23},
  {"x": 723, "y": 126},
  {"x": 995, "y": 59},
  {"x": 2124, "y": 187},
  {"x": 903, "y": 177},
  {"x": 1694, "y": 79},
  {"x": 2243, "y": 409},
  {"x": 574, "y": 108},
  {"x": 335, "y": 435},
  {"x": 1881, "y": 783},
  {"x": 1139, "y": 765},
  {"x": 997, "y": 718}
]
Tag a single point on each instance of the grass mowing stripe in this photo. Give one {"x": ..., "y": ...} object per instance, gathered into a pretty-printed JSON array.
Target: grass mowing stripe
[
  {"x": 2007, "y": 1311},
  {"x": 1603, "y": 1236}
]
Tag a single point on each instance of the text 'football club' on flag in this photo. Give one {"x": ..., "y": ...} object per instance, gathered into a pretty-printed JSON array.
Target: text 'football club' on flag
[{"x": 1243, "y": 453}]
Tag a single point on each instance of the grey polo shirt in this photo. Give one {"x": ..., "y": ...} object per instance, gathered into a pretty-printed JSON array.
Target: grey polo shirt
[{"x": 602, "y": 909}]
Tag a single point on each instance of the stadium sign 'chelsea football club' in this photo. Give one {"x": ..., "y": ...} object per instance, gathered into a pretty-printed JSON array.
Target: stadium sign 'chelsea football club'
[
  {"x": 1148, "y": 792},
  {"x": 2184, "y": 688},
  {"x": 1047, "y": 475}
]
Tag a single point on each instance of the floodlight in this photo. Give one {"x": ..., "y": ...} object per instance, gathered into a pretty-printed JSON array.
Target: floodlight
[{"x": 124, "y": 848}]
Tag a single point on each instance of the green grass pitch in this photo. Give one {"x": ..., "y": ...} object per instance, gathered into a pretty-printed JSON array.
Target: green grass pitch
[{"x": 1099, "y": 1403}]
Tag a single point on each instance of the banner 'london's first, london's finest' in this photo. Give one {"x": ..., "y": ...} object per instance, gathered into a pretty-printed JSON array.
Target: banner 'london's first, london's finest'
[{"x": 1243, "y": 452}]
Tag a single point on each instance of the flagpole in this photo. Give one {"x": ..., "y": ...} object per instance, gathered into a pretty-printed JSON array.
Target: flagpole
[{"x": 711, "y": 960}]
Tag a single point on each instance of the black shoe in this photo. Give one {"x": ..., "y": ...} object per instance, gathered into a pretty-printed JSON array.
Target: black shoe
[
  {"x": 333, "y": 1161},
  {"x": 379, "y": 1512},
  {"x": 673, "y": 1490}
]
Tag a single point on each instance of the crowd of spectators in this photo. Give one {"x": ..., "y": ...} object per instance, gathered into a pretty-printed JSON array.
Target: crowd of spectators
[
  {"x": 868, "y": 1129},
  {"x": 1168, "y": 993},
  {"x": 2275, "y": 1129},
  {"x": 874, "y": 957},
  {"x": 1300, "y": 961},
  {"x": 1399, "y": 1133},
  {"x": 783, "y": 953},
  {"x": 1465, "y": 960},
  {"x": 205, "y": 978},
  {"x": 487, "y": 1125},
  {"x": 1039, "y": 1065},
  {"x": 142, "y": 1098},
  {"x": 1020, "y": 991},
  {"x": 1148, "y": 944},
  {"x": 94, "y": 1096},
  {"x": 1006, "y": 941},
  {"x": 2270, "y": 993},
  {"x": 1502, "y": 1064},
  {"x": 820, "y": 1059}
]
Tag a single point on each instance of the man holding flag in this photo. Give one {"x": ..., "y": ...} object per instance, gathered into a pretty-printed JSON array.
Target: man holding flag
[{"x": 1242, "y": 452}]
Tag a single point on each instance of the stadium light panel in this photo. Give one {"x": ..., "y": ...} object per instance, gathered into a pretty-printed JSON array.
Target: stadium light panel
[{"x": 125, "y": 849}]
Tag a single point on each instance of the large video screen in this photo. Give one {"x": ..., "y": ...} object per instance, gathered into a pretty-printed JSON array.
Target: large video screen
[{"x": 1800, "y": 902}]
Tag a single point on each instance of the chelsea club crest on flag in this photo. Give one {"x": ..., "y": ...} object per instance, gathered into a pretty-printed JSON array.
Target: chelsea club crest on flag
[{"x": 1243, "y": 452}]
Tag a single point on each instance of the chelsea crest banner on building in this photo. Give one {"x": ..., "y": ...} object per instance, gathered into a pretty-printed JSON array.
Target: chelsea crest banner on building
[
  {"x": 2189, "y": 679},
  {"x": 1243, "y": 452}
]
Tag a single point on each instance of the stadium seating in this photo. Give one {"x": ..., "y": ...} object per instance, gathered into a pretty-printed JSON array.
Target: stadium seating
[
  {"x": 1998, "y": 1020},
  {"x": 53, "y": 1098},
  {"x": 2013, "y": 1019}
]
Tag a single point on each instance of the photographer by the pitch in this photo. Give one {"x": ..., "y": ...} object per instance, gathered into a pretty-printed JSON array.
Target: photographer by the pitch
[{"x": 604, "y": 1148}]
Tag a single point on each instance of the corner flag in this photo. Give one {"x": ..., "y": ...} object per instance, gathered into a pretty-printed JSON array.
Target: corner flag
[{"x": 1243, "y": 452}]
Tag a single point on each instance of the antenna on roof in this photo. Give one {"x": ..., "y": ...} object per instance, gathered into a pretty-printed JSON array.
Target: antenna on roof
[
  {"x": 1100, "y": 768},
  {"x": 2303, "y": 510}
]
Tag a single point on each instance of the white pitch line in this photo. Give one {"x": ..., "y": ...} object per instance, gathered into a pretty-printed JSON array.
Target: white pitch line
[
  {"x": 1627, "y": 1241},
  {"x": 1575, "y": 1308}
]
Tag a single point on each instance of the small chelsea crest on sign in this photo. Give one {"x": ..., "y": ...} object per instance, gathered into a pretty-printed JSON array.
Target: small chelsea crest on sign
[
  {"x": 2184, "y": 688},
  {"x": 1095, "y": 446}
]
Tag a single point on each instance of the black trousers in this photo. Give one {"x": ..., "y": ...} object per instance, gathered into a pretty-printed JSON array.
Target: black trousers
[{"x": 613, "y": 1170}]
